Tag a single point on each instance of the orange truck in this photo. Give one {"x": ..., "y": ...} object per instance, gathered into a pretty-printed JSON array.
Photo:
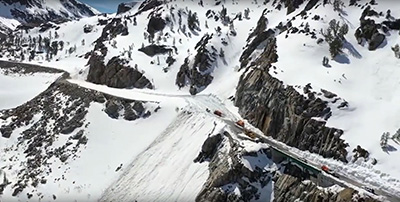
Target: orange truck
[{"x": 240, "y": 123}]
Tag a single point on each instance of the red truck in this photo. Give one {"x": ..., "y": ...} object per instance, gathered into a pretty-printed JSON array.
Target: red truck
[{"x": 329, "y": 171}]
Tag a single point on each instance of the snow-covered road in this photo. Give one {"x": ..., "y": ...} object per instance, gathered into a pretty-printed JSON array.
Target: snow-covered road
[{"x": 199, "y": 103}]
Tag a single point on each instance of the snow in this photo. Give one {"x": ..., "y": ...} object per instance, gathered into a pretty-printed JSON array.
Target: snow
[
  {"x": 367, "y": 80},
  {"x": 17, "y": 89},
  {"x": 157, "y": 153},
  {"x": 165, "y": 170}
]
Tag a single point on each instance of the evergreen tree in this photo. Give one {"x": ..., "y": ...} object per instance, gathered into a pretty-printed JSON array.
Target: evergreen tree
[
  {"x": 384, "y": 140},
  {"x": 334, "y": 35}
]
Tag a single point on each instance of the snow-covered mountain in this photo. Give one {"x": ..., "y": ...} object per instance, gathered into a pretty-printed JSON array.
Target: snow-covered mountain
[
  {"x": 36, "y": 12},
  {"x": 127, "y": 113}
]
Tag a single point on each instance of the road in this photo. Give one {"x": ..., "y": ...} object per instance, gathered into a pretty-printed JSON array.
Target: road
[
  {"x": 339, "y": 179},
  {"x": 202, "y": 104}
]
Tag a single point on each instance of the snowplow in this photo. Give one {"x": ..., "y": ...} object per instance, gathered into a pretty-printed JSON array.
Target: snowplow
[
  {"x": 250, "y": 134},
  {"x": 329, "y": 171},
  {"x": 218, "y": 113},
  {"x": 240, "y": 123}
]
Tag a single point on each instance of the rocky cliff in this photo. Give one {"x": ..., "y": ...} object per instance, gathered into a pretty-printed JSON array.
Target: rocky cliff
[
  {"x": 283, "y": 113},
  {"x": 58, "y": 112},
  {"x": 243, "y": 174}
]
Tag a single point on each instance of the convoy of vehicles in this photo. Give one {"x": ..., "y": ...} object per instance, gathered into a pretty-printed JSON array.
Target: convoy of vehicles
[{"x": 252, "y": 135}]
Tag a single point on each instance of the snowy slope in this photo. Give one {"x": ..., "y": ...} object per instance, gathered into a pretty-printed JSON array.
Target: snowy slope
[
  {"x": 148, "y": 149},
  {"x": 38, "y": 11},
  {"x": 367, "y": 80},
  {"x": 15, "y": 91}
]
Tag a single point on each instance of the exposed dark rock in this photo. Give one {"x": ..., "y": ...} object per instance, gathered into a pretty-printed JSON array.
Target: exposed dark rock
[
  {"x": 392, "y": 24},
  {"x": 39, "y": 137},
  {"x": 124, "y": 7},
  {"x": 328, "y": 94},
  {"x": 292, "y": 5},
  {"x": 138, "y": 107},
  {"x": 78, "y": 135},
  {"x": 283, "y": 113},
  {"x": 87, "y": 28},
  {"x": 311, "y": 4},
  {"x": 225, "y": 168},
  {"x": 209, "y": 148},
  {"x": 360, "y": 152},
  {"x": 112, "y": 108},
  {"x": 129, "y": 114},
  {"x": 198, "y": 76},
  {"x": 261, "y": 35},
  {"x": 153, "y": 49},
  {"x": 147, "y": 5},
  {"x": 117, "y": 73},
  {"x": 289, "y": 189},
  {"x": 376, "y": 40},
  {"x": 156, "y": 23},
  {"x": 6, "y": 131},
  {"x": 112, "y": 29}
]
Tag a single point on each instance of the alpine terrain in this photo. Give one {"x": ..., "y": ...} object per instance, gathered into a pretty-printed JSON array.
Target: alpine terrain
[{"x": 200, "y": 100}]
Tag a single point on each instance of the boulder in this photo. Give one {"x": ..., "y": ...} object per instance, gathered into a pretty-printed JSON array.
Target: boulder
[
  {"x": 112, "y": 108},
  {"x": 376, "y": 40},
  {"x": 87, "y": 28},
  {"x": 6, "y": 131}
]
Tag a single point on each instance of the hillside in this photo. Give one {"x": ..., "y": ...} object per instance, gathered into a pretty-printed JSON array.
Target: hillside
[
  {"x": 134, "y": 92},
  {"x": 31, "y": 13}
]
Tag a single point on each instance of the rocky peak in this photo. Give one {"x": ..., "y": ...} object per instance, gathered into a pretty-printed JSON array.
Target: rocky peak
[{"x": 36, "y": 12}]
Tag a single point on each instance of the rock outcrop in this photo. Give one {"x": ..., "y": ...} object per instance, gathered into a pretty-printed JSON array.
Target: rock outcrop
[
  {"x": 198, "y": 74},
  {"x": 153, "y": 49},
  {"x": 59, "y": 110},
  {"x": 227, "y": 169},
  {"x": 147, "y": 5},
  {"x": 289, "y": 188},
  {"x": 116, "y": 73},
  {"x": 156, "y": 24},
  {"x": 369, "y": 30},
  {"x": 125, "y": 7},
  {"x": 283, "y": 113}
]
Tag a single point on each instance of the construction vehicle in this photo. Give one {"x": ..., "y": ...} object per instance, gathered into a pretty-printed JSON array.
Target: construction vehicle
[
  {"x": 329, "y": 171},
  {"x": 250, "y": 134},
  {"x": 218, "y": 113},
  {"x": 240, "y": 123}
]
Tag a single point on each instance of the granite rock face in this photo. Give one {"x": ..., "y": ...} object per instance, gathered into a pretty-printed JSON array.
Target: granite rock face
[
  {"x": 197, "y": 74},
  {"x": 283, "y": 113}
]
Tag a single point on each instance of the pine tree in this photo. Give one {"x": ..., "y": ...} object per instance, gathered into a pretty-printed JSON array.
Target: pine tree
[
  {"x": 396, "y": 136},
  {"x": 334, "y": 35},
  {"x": 384, "y": 139}
]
